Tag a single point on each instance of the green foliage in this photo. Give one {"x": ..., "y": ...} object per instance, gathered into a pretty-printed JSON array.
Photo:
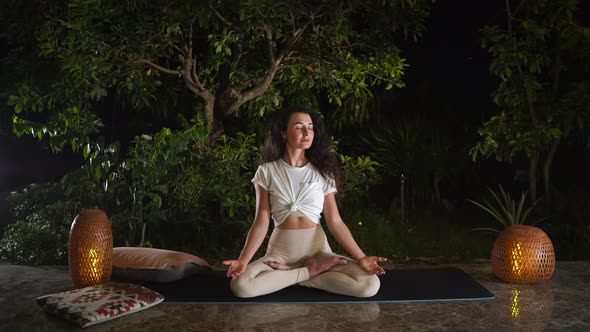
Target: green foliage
[
  {"x": 423, "y": 237},
  {"x": 376, "y": 234},
  {"x": 149, "y": 54},
  {"x": 136, "y": 189},
  {"x": 143, "y": 184},
  {"x": 173, "y": 189},
  {"x": 447, "y": 236},
  {"x": 40, "y": 235},
  {"x": 505, "y": 210},
  {"x": 215, "y": 195},
  {"x": 541, "y": 61},
  {"x": 65, "y": 125},
  {"x": 153, "y": 163},
  {"x": 421, "y": 152},
  {"x": 569, "y": 230},
  {"x": 360, "y": 174},
  {"x": 33, "y": 243},
  {"x": 95, "y": 184}
]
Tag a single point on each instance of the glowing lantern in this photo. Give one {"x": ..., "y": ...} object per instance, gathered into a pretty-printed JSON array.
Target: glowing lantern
[
  {"x": 523, "y": 255},
  {"x": 91, "y": 248}
]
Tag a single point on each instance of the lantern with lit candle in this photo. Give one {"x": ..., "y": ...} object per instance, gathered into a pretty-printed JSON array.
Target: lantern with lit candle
[
  {"x": 523, "y": 255},
  {"x": 90, "y": 248}
]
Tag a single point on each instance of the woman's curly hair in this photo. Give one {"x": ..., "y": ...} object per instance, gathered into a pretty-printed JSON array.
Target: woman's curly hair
[{"x": 319, "y": 154}]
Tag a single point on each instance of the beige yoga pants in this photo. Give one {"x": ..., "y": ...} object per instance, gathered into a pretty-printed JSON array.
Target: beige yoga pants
[{"x": 292, "y": 247}]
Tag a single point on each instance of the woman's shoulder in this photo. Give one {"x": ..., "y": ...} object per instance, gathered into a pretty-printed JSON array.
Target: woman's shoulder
[{"x": 269, "y": 165}]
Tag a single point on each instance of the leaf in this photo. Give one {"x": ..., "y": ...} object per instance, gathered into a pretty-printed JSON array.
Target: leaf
[
  {"x": 86, "y": 151},
  {"x": 486, "y": 229},
  {"x": 97, "y": 173}
]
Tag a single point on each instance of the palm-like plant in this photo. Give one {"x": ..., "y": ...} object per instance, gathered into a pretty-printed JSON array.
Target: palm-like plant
[{"x": 506, "y": 210}]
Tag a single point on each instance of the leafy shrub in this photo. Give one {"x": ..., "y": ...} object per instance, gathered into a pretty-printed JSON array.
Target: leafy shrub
[
  {"x": 377, "y": 234},
  {"x": 360, "y": 174},
  {"x": 422, "y": 153},
  {"x": 35, "y": 243},
  {"x": 43, "y": 218},
  {"x": 569, "y": 229},
  {"x": 174, "y": 190},
  {"x": 214, "y": 198},
  {"x": 505, "y": 210}
]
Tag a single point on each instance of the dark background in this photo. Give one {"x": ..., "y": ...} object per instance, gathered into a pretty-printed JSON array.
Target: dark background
[{"x": 447, "y": 80}]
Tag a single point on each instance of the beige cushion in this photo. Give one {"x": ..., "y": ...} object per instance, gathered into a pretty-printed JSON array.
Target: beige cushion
[{"x": 152, "y": 258}]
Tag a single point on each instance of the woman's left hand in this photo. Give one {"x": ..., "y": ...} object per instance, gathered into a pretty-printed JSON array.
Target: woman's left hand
[{"x": 370, "y": 264}]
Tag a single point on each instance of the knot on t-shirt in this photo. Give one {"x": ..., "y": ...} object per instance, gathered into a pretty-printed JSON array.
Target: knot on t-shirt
[{"x": 293, "y": 207}]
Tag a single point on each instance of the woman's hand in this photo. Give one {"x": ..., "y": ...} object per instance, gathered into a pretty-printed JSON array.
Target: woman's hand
[
  {"x": 236, "y": 267},
  {"x": 370, "y": 264}
]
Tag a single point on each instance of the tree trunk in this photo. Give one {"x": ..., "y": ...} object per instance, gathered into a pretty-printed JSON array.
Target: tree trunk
[
  {"x": 437, "y": 179},
  {"x": 533, "y": 163},
  {"x": 142, "y": 241},
  {"x": 547, "y": 170}
]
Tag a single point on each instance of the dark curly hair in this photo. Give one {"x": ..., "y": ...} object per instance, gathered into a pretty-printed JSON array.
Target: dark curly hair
[{"x": 319, "y": 154}]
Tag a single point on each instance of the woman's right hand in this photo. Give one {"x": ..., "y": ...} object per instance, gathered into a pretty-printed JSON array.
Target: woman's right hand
[{"x": 236, "y": 267}]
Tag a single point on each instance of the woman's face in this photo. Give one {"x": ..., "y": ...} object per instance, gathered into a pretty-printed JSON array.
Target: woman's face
[{"x": 299, "y": 134}]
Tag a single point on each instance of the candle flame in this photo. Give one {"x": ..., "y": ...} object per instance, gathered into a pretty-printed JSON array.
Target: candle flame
[
  {"x": 95, "y": 265},
  {"x": 516, "y": 259}
]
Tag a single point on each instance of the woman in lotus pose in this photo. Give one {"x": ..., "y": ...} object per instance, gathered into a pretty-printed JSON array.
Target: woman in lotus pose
[{"x": 296, "y": 182}]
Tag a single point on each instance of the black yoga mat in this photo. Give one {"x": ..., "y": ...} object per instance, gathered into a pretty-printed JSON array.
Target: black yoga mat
[{"x": 398, "y": 285}]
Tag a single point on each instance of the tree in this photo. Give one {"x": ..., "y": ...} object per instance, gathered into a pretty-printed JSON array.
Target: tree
[
  {"x": 229, "y": 55},
  {"x": 541, "y": 60}
]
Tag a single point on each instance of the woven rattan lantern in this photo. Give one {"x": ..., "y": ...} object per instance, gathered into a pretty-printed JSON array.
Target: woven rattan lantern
[
  {"x": 523, "y": 255},
  {"x": 91, "y": 248}
]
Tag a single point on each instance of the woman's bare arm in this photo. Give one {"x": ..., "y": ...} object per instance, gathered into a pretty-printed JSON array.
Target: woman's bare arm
[
  {"x": 338, "y": 228},
  {"x": 259, "y": 228},
  {"x": 255, "y": 236},
  {"x": 341, "y": 233}
]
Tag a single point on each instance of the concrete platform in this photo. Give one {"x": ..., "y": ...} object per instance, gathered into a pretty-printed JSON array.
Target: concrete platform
[{"x": 560, "y": 304}]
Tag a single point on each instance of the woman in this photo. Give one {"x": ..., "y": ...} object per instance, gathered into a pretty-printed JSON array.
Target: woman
[{"x": 297, "y": 181}]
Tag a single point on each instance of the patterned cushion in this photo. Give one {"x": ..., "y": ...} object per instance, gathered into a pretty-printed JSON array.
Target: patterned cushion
[{"x": 100, "y": 303}]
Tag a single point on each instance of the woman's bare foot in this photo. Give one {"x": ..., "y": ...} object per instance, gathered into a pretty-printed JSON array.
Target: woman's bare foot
[
  {"x": 316, "y": 266},
  {"x": 280, "y": 266}
]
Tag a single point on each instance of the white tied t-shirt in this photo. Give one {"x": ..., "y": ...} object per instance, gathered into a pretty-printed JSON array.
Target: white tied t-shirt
[{"x": 297, "y": 191}]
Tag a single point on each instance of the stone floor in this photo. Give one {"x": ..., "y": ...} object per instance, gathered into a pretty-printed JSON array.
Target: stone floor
[{"x": 560, "y": 304}]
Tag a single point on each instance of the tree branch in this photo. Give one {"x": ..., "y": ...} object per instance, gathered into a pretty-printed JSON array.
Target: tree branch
[
  {"x": 518, "y": 7},
  {"x": 273, "y": 68},
  {"x": 275, "y": 63},
  {"x": 174, "y": 46},
  {"x": 160, "y": 68},
  {"x": 191, "y": 80},
  {"x": 343, "y": 47},
  {"x": 190, "y": 42},
  {"x": 294, "y": 39},
  {"x": 194, "y": 76},
  {"x": 556, "y": 71},
  {"x": 509, "y": 17},
  {"x": 530, "y": 104},
  {"x": 268, "y": 31},
  {"x": 237, "y": 56},
  {"x": 547, "y": 168},
  {"x": 219, "y": 16}
]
